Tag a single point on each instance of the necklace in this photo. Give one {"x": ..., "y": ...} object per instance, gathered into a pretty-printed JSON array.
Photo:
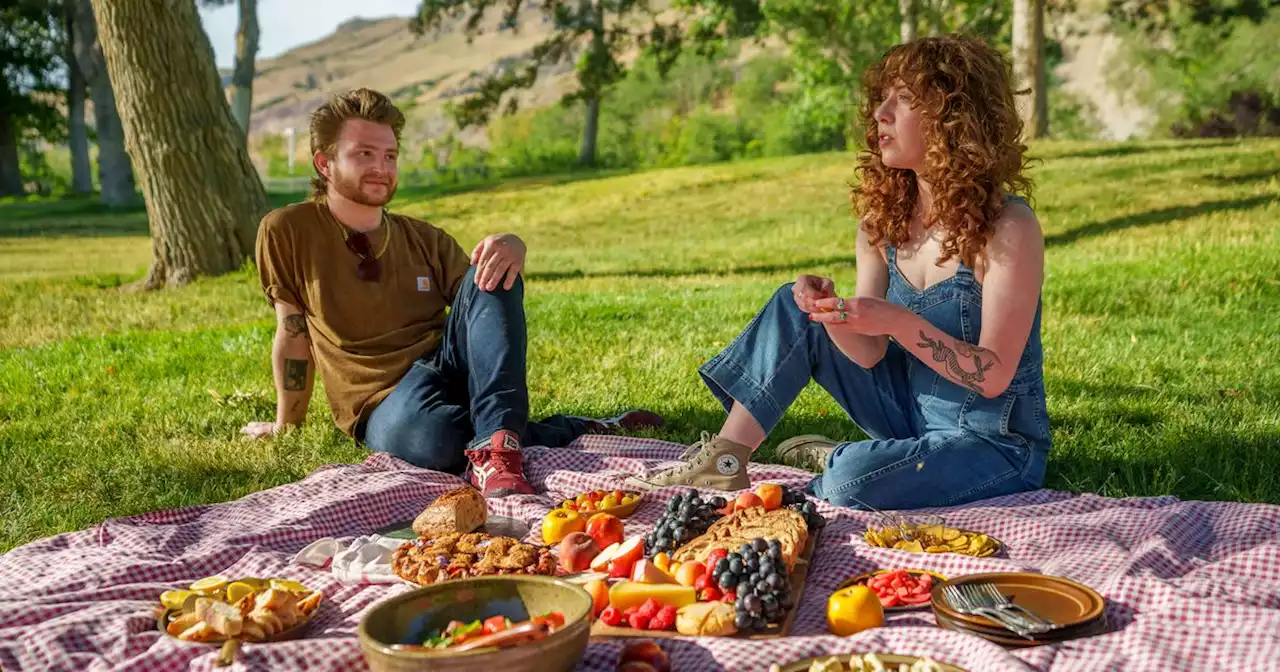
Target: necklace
[{"x": 384, "y": 224}]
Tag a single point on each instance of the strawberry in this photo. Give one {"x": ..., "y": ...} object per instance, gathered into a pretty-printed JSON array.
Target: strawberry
[
  {"x": 730, "y": 596},
  {"x": 709, "y": 594},
  {"x": 703, "y": 581},
  {"x": 715, "y": 556}
]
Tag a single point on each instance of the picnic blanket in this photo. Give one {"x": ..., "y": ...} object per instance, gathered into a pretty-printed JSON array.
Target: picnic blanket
[{"x": 1189, "y": 585}]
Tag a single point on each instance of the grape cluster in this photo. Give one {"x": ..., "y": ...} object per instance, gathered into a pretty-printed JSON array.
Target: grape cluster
[
  {"x": 796, "y": 501},
  {"x": 687, "y": 516},
  {"x": 757, "y": 576}
]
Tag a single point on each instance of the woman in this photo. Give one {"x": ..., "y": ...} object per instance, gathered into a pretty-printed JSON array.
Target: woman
[{"x": 937, "y": 355}]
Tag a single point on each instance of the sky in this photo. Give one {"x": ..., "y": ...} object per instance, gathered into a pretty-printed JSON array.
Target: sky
[{"x": 285, "y": 24}]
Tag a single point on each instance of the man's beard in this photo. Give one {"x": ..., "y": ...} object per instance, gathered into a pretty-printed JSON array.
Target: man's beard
[{"x": 349, "y": 188}]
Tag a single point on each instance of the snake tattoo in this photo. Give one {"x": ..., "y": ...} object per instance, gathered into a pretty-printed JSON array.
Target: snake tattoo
[{"x": 942, "y": 353}]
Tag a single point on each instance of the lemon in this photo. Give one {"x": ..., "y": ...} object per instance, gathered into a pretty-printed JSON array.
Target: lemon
[
  {"x": 237, "y": 590},
  {"x": 209, "y": 584},
  {"x": 289, "y": 585},
  {"x": 174, "y": 599},
  {"x": 853, "y": 610}
]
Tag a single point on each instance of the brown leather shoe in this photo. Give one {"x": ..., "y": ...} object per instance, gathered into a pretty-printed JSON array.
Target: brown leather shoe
[{"x": 712, "y": 462}]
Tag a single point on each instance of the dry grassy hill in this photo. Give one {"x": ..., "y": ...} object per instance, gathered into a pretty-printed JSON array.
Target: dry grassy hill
[{"x": 423, "y": 72}]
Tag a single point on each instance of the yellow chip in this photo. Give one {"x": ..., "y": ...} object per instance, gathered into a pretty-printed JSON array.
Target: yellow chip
[
  {"x": 959, "y": 542},
  {"x": 210, "y": 584},
  {"x": 937, "y": 549},
  {"x": 949, "y": 533},
  {"x": 912, "y": 546},
  {"x": 174, "y": 599}
]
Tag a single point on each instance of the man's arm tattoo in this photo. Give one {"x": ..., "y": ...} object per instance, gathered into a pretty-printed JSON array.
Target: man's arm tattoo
[
  {"x": 983, "y": 360},
  {"x": 295, "y": 374},
  {"x": 295, "y": 325}
]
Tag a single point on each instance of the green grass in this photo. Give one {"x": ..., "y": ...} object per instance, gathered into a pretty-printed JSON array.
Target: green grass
[{"x": 1162, "y": 309}]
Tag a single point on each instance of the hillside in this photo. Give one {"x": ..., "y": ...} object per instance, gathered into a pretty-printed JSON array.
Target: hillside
[{"x": 424, "y": 72}]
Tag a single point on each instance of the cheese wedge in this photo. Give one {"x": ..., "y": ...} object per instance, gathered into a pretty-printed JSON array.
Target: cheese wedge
[{"x": 626, "y": 594}]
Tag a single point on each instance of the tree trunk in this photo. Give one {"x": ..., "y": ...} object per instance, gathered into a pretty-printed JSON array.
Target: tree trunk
[
  {"x": 77, "y": 132},
  {"x": 936, "y": 10},
  {"x": 204, "y": 199},
  {"x": 10, "y": 166},
  {"x": 587, "y": 155},
  {"x": 1028, "y": 67},
  {"x": 115, "y": 173},
  {"x": 907, "y": 30},
  {"x": 242, "y": 75}
]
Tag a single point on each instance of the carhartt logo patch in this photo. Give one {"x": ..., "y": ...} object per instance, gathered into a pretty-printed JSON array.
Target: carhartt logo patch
[{"x": 424, "y": 284}]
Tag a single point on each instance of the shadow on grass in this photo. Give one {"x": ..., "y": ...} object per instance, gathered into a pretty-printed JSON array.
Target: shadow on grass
[
  {"x": 1224, "y": 180},
  {"x": 1134, "y": 149},
  {"x": 748, "y": 269},
  {"x": 1162, "y": 216}
]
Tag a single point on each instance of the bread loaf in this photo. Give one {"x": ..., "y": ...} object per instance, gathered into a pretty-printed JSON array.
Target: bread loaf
[
  {"x": 706, "y": 619},
  {"x": 461, "y": 510}
]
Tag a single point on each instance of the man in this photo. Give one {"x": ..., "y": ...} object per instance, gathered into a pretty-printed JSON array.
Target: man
[{"x": 360, "y": 296}]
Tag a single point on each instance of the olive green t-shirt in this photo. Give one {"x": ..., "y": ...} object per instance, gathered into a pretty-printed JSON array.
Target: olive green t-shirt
[{"x": 364, "y": 335}]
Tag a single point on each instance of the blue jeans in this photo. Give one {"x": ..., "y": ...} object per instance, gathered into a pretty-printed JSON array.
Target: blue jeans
[
  {"x": 933, "y": 443},
  {"x": 473, "y": 385}
]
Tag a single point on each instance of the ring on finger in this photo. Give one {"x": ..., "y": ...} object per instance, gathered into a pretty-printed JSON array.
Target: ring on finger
[
  {"x": 840, "y": 306},
  {"x": 844, "y": 316}
]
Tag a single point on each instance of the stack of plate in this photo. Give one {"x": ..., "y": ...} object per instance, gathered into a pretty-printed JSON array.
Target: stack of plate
[{"x": 1077, "y": 610}]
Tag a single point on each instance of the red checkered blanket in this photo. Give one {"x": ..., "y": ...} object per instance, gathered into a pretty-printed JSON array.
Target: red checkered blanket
[{"x": 1190, "y": 585}]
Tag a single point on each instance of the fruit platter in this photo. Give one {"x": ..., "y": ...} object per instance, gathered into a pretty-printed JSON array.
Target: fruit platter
[{"x": 711, "y": 567}]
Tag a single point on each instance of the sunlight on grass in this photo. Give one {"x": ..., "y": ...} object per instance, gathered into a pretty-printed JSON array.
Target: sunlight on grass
[{"x": 1162, "y": 303}]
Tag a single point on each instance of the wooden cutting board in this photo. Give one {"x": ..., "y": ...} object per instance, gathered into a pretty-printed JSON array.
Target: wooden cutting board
[{"x": 600, "y": 630}]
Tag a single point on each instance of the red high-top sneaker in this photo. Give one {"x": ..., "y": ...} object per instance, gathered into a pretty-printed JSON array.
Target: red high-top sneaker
[{"x": 496, "y": 468}]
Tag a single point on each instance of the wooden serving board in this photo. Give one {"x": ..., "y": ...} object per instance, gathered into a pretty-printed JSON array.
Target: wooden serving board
[{"x": 601, "y": 630}]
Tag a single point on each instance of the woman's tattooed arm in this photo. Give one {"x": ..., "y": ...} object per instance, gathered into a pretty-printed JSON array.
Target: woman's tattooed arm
[{"x": 966, "y": 364}]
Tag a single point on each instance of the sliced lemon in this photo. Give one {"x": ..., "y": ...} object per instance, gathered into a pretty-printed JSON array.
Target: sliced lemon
[
  {"x": 289, "y": 585},
  {"x": 237, "y": 590},
  {"x": 174, "y": 599},
  {"x": 256, "y": 584},
  {"x": 209, "y": 584}
]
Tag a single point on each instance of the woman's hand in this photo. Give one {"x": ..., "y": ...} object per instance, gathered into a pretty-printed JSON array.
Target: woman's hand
[
  {"x": 810, "y": 288},
  {"x": 865, "y": 315}
]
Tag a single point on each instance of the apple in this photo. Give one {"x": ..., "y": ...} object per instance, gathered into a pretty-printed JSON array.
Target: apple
[
  {"x": 630, "y": 551},
  {"x": 559, "y": 523},
  {"x": 647, "y": 572},
  {"x": 606, "y": 529},
  {"x": 577, "y": 550},
  {"x": 601, "y": 562}
]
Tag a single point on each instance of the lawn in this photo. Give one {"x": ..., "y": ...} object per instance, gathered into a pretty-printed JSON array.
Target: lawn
[{"x": 1162, "y": 309}]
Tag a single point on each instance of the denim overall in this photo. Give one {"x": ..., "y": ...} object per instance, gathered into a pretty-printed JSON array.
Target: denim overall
[{"x": 933, "y": 442}]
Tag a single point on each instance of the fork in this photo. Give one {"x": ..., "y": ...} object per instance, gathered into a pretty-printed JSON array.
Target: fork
[
  {"x": 962, "y": 603},
  {"x": 980, "y": 598},
  {"x": 1003, "y": 602},
  {"x": 890, "y": 521}
]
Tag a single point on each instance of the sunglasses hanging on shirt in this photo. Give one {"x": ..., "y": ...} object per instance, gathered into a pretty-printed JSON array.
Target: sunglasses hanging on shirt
[{"x": 369, "y": 269}]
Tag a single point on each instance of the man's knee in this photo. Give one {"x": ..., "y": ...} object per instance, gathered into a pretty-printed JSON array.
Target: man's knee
[
  {"x": 516, "y": 290},
  {"x": 426, "y": 440}
]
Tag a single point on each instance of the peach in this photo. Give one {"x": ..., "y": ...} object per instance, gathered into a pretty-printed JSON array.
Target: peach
[
  {"x": 770, "y": 495},
  {"x": 577, "y": 550},
  {"x": 689, "y": 572},
  {"x": 599, "y": 590},
  {"x": 747, "y": 500},
  {"x": 646, "y": 654},
  {"x": 606, "y": 529}
]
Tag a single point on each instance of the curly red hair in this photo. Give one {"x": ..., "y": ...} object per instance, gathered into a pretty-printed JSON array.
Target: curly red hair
[{"x": 974, "y": 156}]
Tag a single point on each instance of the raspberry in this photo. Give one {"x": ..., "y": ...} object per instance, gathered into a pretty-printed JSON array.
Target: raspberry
[
  {"x": 668, "y": 613},
  {"x": 663, "y": 621},
  {"x": 650, "y": 608},
  {"x": 639, "y": 621},
  {"x": 611, "y": 616}
]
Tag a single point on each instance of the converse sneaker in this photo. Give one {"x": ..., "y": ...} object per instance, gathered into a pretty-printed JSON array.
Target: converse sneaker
[
  {"x": 631, "y": 421},
  {"x": 496, "y": 468},
  {"x": 712, "y": 462},
  {"x": 808, "y": 451}
]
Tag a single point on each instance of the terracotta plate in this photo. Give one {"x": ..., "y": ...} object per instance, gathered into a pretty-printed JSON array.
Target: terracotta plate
[
  {"x": 886, "y": 658},
  {"x": 861, "y": 579},
  {"x": 1060, "y": 600},
  {"x": 1009, "y": 639}
]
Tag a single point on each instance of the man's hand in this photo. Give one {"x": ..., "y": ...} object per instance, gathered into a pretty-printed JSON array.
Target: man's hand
[
  {"x": 810, "y": 288},
  {"x": 497, "y": 257},
  {"x": 260, "y": 430}
]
